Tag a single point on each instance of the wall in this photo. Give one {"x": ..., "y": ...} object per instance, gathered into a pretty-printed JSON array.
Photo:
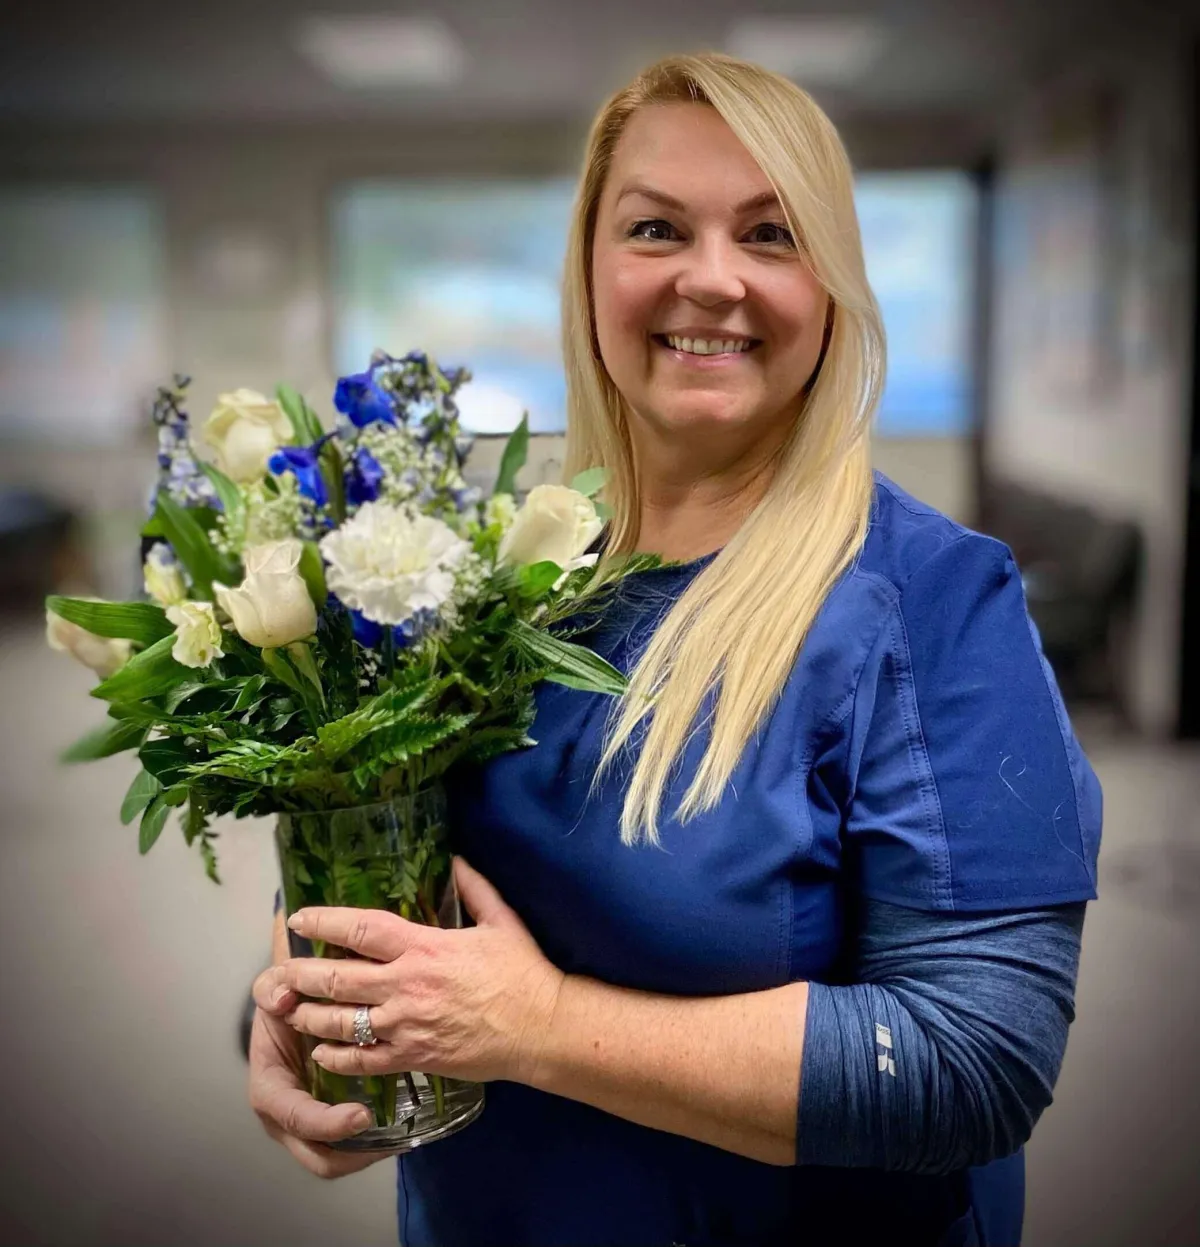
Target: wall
[
  {"x": 245, "y": 216},
  {"x": 1091, "y": 370}
]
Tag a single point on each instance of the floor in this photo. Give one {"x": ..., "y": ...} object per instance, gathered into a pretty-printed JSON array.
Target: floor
[{"x": 126, "y": 1119}]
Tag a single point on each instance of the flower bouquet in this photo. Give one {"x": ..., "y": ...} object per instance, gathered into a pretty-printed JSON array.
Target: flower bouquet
[{"x": 335, "y": 619}]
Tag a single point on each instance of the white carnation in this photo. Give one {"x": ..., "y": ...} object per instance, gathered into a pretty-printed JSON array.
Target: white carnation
[{"x": 389, "y": 564}]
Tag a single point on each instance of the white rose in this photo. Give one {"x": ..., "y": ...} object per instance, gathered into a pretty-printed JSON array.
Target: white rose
[
  {"x": 197, "y": 633},
  {"x": 105, "y": 655},
  {"x": 245, "y": 429},
  {"x": 271, "y": 607},
  {"x": 555, "y": 524},
  {"x": 389, "y": 564},
  {"x": 162, "y": 576}
]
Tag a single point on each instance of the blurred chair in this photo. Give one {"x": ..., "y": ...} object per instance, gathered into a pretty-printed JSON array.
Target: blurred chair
[
  {"x": 41, "y": 548},
  {"x": 1081, "y": 572}
]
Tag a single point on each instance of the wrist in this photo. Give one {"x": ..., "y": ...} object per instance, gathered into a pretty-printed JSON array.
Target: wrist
[{"x": 542, "y": 1051}]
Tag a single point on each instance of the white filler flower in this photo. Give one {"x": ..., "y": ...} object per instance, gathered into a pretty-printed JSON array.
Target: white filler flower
[{"x": 389, "y": 564}]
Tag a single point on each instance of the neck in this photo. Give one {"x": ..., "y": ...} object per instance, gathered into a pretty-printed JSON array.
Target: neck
[{"x": 693, "y": 502}]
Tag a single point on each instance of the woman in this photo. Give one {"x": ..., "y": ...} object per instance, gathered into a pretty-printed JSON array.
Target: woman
[{"x": 792, "y": 959}]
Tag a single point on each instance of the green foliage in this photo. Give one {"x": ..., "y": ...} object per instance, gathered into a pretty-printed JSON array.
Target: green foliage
[
  {"x": 153, "y": 820},
  {"x": 590, "y": 482},
  {"x": 567, "y": 663},
  {"x": 191, "y": 544},
  {"x": 232, "y": 502},
  {"x": 516, "y": 450},
  {"x": 305, "y": 424},
  {"x": 148, "y": 674},
  {"x": 141, "y": 792},
  {"x": 140, "y": 622},
  {"x": 106, "y": 740}
]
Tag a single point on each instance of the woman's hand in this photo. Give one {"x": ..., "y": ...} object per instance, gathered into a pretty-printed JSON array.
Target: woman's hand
[
  {"x": 473, "y": 1003},
  {"x": 278, "y": 1095}
]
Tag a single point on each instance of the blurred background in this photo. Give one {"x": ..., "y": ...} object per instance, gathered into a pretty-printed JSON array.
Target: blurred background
[{"x": 250, "y": 193}]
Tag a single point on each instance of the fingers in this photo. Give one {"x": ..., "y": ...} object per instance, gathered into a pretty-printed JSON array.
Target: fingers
[
  {"x": 329, "y": 1021},
  {"x": 335, "y": 978},
  {"x": 272, "y": 995},
  {"x": 325, "y": 1162},
  {"x": 278, "y": 1101},
  {"x": 351, "y": 1059},
  {"x": 373, "y": 933},
  {"x": 481, "y": 899}
]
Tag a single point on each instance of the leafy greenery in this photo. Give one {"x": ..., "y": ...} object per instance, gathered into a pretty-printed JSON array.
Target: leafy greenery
[{"x": 516, "y": 451}]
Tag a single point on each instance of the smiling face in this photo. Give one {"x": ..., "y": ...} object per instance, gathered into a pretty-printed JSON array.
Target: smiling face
[{"x": 708, "y": 318}]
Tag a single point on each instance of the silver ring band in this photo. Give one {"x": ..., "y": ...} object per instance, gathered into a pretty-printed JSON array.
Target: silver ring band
[{"x": 364, "y": 1036}]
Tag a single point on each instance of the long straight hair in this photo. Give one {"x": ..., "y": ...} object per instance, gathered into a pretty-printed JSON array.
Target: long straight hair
[{"x": 734, "y": 634}]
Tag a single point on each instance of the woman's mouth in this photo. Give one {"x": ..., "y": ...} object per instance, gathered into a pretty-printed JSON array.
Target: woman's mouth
[{"x": 706, "y": 348}]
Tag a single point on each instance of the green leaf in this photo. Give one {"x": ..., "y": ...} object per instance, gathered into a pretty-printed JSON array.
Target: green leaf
[
  {"x": 165, "y": 758},
  {"x": 305, "y": 424},
  {"x": 516, "y": 450},
  {"x": 534, "y": 579},
  {"x": 567, "y": 663},
  {"x": 141, "y": 622},
  {"x": 590, "y": 482},
  {"x": 192, "y": 545},
  {"x": 147, "y": 674},
  {"x": 282, "y": 670},
  {"x": 195, "y": 821},
  {"x": 386, "y": 710},
  {"x": 153, "y": 820},
  {"x": 153, "y": 527},
  {"x": 141, "y": 792},
  {"x": 301, "y": 654},
  {"x": 229, "y": 494},
  {"x": 603, "y": 511},
  {"x": 106, "y": 740},
  {"x": 250, "y": 691},
  {"x": 312, "y": 568}
]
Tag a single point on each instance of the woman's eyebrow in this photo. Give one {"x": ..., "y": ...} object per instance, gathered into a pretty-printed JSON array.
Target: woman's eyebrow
[{"x": 765, "y": 199}]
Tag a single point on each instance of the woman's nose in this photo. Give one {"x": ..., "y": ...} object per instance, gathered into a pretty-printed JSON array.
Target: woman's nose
[{"x": 709, "y": 274}]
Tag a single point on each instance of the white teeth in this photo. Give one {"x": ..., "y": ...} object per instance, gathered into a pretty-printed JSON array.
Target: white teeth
[{"x": 707, "y": 346}]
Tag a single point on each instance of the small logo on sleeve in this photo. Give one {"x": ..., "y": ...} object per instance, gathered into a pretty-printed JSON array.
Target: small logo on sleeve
[{"x": 883, "y": 1055}]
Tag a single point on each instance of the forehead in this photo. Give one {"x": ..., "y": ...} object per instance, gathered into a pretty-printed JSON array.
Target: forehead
[{"x": 687, "y": 151}]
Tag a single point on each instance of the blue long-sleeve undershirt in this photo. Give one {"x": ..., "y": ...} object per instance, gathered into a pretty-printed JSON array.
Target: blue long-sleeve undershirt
[{"x": 943, "y": 1051}]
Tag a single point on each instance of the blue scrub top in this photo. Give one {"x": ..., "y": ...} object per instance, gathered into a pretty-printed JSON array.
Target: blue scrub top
[{"x": 919, "y": 754}]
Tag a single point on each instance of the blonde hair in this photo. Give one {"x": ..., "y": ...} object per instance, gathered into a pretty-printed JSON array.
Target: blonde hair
[{"x": 737, "y": 629}]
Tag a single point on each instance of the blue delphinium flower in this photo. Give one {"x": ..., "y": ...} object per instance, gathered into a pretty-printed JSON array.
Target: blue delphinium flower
[
  {"x": 364, "y": 477},
  {"x": 178, "y": 472},
  {"x": 360, "y": 398},
  {"x": 304, "y": 463},
  {"x": 370, "y": 635}
]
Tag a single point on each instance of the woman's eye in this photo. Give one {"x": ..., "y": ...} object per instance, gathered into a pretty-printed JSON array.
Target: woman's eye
[
  {"x": 653, "y": 231},
  {"x": 769, "y": 232}
]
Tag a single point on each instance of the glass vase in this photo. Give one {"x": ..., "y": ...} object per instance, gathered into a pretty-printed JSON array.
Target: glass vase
[{"x": 390, "y": 856}]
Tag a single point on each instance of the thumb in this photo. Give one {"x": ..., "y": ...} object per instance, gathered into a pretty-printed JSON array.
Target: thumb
[{"x": 483, "y": 902}]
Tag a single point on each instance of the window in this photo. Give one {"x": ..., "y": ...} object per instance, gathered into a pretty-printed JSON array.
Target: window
[
  {"x": 468, "y": 271},
  {"x": 918, "y": 233},
  {"x": 81, "y": 312}
]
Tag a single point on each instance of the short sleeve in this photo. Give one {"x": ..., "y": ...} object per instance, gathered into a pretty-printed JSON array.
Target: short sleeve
[{"x": 966, "y": 789}]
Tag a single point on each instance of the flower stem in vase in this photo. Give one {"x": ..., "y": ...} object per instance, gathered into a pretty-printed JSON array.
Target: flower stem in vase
[
  {"x": 382, "y": 1090},
  {"x": 439, "y": 1094}
]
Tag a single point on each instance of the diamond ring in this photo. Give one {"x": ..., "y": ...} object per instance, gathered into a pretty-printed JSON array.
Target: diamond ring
[{"x": 364, "y": 1036}]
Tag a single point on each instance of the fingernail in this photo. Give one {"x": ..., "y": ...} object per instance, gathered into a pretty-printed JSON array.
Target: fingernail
[
  {"x": 296, "y": 921},
  {"x": 278, "y": 994},
  {"x": 319, "y": 1053},
  {"x": 363, "y": 1121}
]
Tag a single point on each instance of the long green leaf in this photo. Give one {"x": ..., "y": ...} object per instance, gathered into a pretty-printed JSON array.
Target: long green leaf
[
  {"x": 567, "y": 663},
  {"x": 305, "y": 424},
  {"x": 229, "y": 494},
  {"x": 147, "y": 674},
  {"x": 105, "y": 741},
  {"x": 141, "y": 792},
  {"x": 191, "y": 544},
  {"x": 535, "y": 579},
  {"x": 142, "y": 622},
  {"x": 516, "y": 450},
  {"x": 153, "y": 820}
]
